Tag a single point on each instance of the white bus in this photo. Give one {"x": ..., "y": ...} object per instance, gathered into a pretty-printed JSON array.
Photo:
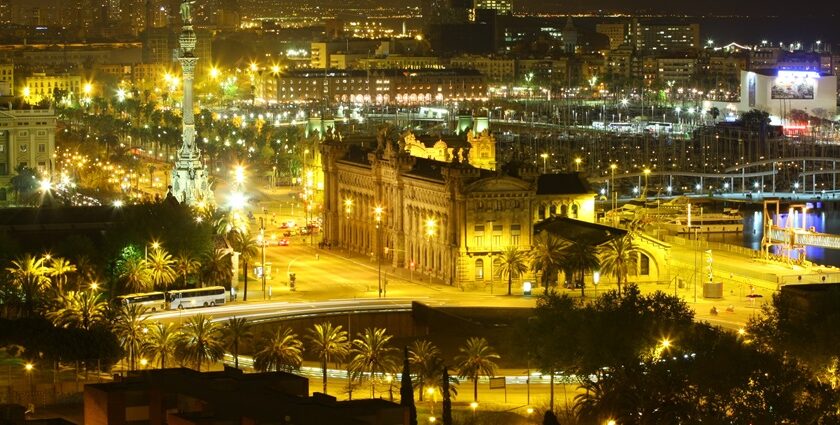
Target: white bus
[
  {"x": 198, "y": 297},
  {"x": 154, "y": 301}
]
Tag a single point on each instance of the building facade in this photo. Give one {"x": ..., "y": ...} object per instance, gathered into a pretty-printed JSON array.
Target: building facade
[
  {"x": 442, "y": 219},
  {"x": 27, "y": 138},
  {"x": 40, "y": 86},
  {"x": 381, "y": 86}
]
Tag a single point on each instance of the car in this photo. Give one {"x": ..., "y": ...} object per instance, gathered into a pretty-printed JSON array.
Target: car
[{"x": 283, "y": 242}]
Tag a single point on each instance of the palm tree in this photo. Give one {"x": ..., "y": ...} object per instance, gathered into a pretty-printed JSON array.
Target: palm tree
[
  {"x": 476, "y": 359},
  {"x": 200, "y": 341},
  {"x": 186, "y": 264},
  {"x": 372, "y": 354},
  {"x": 236, "y": 330},
  {"x": 328, "y": 343},
  {"x": 130, "y": 328},
  {"x": 81, "y": 309},
  {"x": 161, "y": 342},
  {"x": 216, "y": 268},
  {"x": 581, "y": 257},
  {"x": 281, "y": 350},
  {"x": 617, "y": 258},
  {"x": 161, "y": 270},
  {"x": 134, "y": 274},
  {"x": 512, "y": 262},
  {"x": 424, "y": 358},
  {"x": 59, "y": 269},
  {"x": 547, "y": 256},
  {"x": 30, "y": 275},
  {"x": 246, "y": 246}
]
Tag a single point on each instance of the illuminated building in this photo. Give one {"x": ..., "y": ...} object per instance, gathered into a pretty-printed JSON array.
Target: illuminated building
[
  {"x": 7, "y": 79},
  {"x": 27, "y": 137},
  {"x": 495, "y": 69},
  {"x": 658, "y": 38},
  {"x": 617, "y": 33},
  {"x": 441, "y": 218},
  {"x": 779, "y": 92},
  {"x": 502, "y": 7},
  {"x": 379, "y": 86},
  {"x": 40, "y": 86}
]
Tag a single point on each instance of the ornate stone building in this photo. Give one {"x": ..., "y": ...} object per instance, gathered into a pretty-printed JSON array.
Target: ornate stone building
[
  {"x": 438, "y": 217},
  {"x": 481, "y": 145}
]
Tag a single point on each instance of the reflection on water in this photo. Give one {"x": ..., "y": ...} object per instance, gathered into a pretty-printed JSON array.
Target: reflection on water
[{"x": 753, "y": 231}]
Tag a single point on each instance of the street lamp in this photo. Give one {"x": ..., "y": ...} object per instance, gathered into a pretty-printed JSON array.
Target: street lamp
[
  {"x": 377, "y": 214},
  {"x": 577, "y": 164},
  {"x": 155, "y": 246},
  {"x": 261, "y": 239},
  {"x": 29, "y": 367},
  {"x": 544, "y": 157},
  {"x": 646, "y": 172},
  {"x": 473, "y": 406}
]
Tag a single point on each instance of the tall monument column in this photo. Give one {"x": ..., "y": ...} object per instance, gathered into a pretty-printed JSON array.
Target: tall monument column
[{"x": 190, "y": 183}]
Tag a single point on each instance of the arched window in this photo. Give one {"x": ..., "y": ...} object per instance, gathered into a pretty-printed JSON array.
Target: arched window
[
  {"x": 644, "y": 265},
  {"x": 574, "y": 211},
  {"x": 564, "y": 210},
  {"x": 479, "y": 269},
  {"x": 552, "y": 211},
  {"x": 542, "y": 211}
]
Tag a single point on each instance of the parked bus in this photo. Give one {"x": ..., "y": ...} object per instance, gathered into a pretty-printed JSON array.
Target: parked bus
[
  {"x": 154, "y": 301},
  {"x": 199, "y": 297},
  {"x": 659, "y": 127}
]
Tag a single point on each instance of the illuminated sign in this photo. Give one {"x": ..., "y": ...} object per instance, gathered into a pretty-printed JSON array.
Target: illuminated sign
[{"x": 794, "y": 85}]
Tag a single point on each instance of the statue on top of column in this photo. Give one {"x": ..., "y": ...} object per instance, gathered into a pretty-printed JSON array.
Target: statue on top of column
[{"x": 185, "y": 11}]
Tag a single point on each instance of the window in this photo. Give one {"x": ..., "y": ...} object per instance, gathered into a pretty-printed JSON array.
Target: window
[
  {"x": 479, "y": 269},
  {"x": 515, "y": 230},
  {"x": 42, "y": 147},
  {"x": 497, "y": 235},
  {"x": 644, "y": 265}
]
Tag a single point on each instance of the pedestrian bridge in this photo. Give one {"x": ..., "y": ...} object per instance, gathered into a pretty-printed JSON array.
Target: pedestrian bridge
[{"x": 800, "y": 237}]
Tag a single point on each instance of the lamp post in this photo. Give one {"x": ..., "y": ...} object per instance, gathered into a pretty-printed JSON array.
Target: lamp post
[
  {"x": 544, "y": 157},
  {"x": 646, "y": 172},
  {"x": 613, "y": 195},
  {"x": 377, "y": 212},
  {"x": 261, "y": 239},
  {"x": 29, "y": 367},
  {"x": 577, "y": 164}
]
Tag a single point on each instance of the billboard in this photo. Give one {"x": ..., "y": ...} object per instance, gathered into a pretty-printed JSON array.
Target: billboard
[{"x": 794, "y": 85}]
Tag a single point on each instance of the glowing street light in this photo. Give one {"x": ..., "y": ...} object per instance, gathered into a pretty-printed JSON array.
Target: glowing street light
[
  {"x": 239, "y": 174},
  {"x": 121, "y": 95},
  {"x": 87, "y": 89},
  {"x": 45, "y": 185},
  {"x": 473, "y": 406},
  {"x": 578, "y": 161},
  {"x": 237, "y": 201},
  {"x": 544, "y": 157}
]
